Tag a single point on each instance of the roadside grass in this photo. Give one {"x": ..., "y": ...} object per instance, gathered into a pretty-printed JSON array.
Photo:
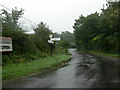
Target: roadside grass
[
  {"x": 12, "y": 71},
  {"x": 104, "y": 54},
  {"x": 0, "y": 74}
]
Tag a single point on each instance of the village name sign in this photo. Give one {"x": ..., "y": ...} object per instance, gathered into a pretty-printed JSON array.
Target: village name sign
[{"x": 6, "y": 44}]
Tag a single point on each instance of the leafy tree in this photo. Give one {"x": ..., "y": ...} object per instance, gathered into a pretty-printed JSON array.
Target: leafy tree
[
  {"x": 65, "y": 44},
  {"x": 41, "y": 38},
  {"x": 110, "y": 26},
  {"x": 10, "y": 20},
  {"x": 21, "y": 41},
  {"x": 85, "y": 29},
  {"x": 99, "y": 31},
  {"x": 69, "y": 37}
]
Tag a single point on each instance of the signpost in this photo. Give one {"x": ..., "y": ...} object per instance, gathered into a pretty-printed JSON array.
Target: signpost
[
  {"x": 51, "y": 42},
  {"x": 55, "y": 39},
  {"x": 6, "y": 44}
]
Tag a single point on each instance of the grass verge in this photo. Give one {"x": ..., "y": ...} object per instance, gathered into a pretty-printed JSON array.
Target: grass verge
[
  {"x": 12, "y": 71},
  {"x": 104, "y": 54}
]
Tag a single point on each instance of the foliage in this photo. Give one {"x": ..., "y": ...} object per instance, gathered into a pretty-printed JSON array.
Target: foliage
[
  {"x": 99, "y": 31},
  {"x": 41, "y": 37},
  {"x": 104, "y": 54},
  {"x": 67, "y": 36},
  {"x": 25, "y": 46},
  {"x": 67, "y": 41},
  {"x": 10, "y": 20},
  {"x": 5, "y": 59},
  {"x": 17, "y": 70},
  {"x": 22, "y": 43},
  {"x": 64, "y": 44}
]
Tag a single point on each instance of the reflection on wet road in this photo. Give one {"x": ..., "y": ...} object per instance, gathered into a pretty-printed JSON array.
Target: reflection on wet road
[{"x": 83, "y": 71}]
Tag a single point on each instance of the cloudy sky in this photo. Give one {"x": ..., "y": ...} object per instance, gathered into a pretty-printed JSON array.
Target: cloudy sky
[{"x": 59, "y": 15}]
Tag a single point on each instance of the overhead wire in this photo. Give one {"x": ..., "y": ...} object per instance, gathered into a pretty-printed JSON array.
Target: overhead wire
[{"x": 21, "y": 17}]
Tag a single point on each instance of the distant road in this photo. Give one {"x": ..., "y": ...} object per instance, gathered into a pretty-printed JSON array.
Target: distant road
[{"x": 83, "y": 71}]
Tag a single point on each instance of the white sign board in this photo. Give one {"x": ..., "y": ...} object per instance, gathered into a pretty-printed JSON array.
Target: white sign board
[
  {"x": 50, "y": 41},
  {"x": 50, "y": 36},
  {"x": 55, "y": 39},
  {"x": 5, "y": 44}
]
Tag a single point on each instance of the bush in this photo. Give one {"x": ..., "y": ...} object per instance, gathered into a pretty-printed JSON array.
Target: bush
[
  {"x": 5, "y": 59},
  {"x": 41, "y": 54},
  {"x": 22, "y": 43}
]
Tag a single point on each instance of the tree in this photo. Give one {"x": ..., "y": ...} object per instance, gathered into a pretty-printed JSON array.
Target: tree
[
  {"x": 69, "y": 37},
  {"x": 65, "y": 44},
  {"x": 10, "y": 20},
  {"x": 99, "y": 31},
  {"x": 109, "y": 24},
  {"x": 85, "y": 29},
  {"x": 42, "y": 33},
  {"x": 21, "y": 41}
]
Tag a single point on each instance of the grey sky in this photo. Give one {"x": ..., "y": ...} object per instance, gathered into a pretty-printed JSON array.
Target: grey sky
[{"x": 58, "y": 14}]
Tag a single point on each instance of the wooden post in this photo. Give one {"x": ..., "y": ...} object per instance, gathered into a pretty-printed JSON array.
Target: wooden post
[{"x": 50, "y": 49}]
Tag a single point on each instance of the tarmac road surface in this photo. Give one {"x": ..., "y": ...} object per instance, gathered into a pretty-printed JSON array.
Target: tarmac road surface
[{"x": 83, "y": 71}]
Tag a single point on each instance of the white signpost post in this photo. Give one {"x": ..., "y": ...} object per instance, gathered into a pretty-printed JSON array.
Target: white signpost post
[
  {"x": 6, "y": 44},
  {"x": 51, "y": 42}
]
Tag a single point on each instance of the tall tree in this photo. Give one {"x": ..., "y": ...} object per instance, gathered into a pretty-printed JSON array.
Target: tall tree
[
  {"x": 21, "y": 42},
  {"x": 10, "y": 20},
  {"x": 85, "y": 29},
  {"x": 42, "y": 33},
  {"x": 99, "y": 31},
  {"x": 69, "y": 37}
]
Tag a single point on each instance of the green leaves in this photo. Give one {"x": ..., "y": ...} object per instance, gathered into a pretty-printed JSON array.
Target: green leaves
[
  {"x": 86, "y": 28},
  {"x": 41, "y": 37},
  {"x": 10, "y": 20},
  {"x": 99, "y": 31}
]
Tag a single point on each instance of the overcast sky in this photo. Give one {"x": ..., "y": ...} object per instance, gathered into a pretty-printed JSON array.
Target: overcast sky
[{"x": 59, "y": 15}]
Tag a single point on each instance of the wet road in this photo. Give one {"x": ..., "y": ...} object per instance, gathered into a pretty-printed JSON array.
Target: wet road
[{"x": 83, "y": 71}]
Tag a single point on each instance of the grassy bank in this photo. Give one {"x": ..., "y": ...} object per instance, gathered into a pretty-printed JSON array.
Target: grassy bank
[
  {"x": 103, "y": 54},
  {"x": 12, "y": 71},
  {"x": 0, "y": 74}
]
